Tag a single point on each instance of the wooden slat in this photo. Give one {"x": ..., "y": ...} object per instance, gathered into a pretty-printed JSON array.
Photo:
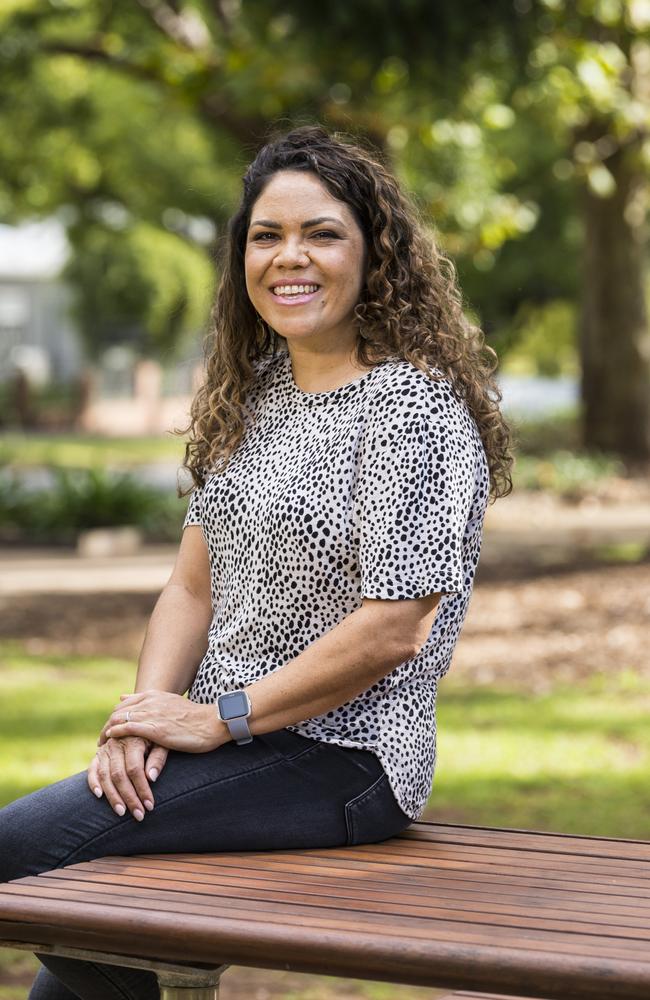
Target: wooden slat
[
  {"x": 400, "y": 904},
  {"x": 293, "y": 915},
  {"x": 463, "y": 857},
  {"x": 189, "y": 876},
  {"x": 522, "y": 914},
  {"x": 523, "y": 840},
  {"x": 424, "y": 866},
  {"x": 446, "y": 961}
]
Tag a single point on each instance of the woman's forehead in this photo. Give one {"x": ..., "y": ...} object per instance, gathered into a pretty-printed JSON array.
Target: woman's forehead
[{"x": 294, "y": 194}]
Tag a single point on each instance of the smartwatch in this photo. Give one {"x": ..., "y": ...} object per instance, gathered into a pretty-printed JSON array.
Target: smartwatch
[{"x": 234, "y": 708}]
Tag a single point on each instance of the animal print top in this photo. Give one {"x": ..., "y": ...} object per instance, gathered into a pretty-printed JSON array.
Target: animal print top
[{"x": 376, "y": 489}]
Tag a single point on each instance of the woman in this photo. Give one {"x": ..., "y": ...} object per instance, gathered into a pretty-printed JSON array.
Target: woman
[{"x": 343, "y": 450}]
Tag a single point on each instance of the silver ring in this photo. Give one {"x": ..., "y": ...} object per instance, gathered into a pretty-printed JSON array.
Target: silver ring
[{"x": 127, "y": 716}]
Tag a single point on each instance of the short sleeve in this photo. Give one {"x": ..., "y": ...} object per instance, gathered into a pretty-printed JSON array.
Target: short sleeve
[
  {"x": 413, "y": 494},
  {"x": 194, "y": 514}
]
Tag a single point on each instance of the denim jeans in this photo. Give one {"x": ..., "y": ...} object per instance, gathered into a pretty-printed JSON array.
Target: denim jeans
[{"x": 281, "y": 791}]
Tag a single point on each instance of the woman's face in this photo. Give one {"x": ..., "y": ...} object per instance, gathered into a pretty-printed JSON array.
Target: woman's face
[{"x": 305, "y": 261}]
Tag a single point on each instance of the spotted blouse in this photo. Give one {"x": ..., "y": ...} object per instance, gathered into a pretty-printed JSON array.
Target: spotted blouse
[{"x": 376, "y": 489}]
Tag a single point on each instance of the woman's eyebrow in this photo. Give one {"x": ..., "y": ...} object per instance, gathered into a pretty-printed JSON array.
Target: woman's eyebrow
[{"x": 269, "y": 224}]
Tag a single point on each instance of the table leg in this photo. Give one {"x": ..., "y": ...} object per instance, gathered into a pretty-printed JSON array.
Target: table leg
[{"x": 189, "y": 986}]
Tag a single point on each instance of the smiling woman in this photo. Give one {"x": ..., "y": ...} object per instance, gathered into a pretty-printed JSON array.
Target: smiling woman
[
  {"x": 343, "y": 448},
  {"x": 304, "y": 281}
]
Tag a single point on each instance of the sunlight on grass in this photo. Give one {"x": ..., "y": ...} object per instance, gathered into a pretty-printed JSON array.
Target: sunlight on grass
[
  {"x": 74, "y": 450},
  {"x": 16, "y": 966},
  {"x": 52, "y": 711},
  {"x": 575, "y": 760}
]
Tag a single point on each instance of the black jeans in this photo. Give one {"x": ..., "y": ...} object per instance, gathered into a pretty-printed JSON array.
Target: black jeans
[{"x": 281, "y": 791}]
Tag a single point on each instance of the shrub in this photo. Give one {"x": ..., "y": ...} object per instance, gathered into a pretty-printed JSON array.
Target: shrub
[{"x": 80, "y": 499}]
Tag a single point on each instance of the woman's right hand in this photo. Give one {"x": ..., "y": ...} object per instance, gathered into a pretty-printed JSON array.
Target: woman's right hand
[{"x": 118, "y": 771}]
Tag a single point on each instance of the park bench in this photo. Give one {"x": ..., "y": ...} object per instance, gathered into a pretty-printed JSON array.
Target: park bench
[{"x": 510, "y": 912}]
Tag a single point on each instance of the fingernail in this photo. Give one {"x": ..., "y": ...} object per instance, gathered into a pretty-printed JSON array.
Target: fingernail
[
  {"x": 148, "y": 804},
  {"x": 153, "y": 774},
  {"x": 139, "y": 815},
  {"x": 98, "y": 792},
  {"x": 119, "y": 809},
  {"x": 108, "y": 732}
]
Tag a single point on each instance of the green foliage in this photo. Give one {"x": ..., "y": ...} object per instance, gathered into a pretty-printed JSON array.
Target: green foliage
[
  {"x": 544, "y": 341},
  {"x": 75, "y": 450},
  {"x": 564, "y": 473},
  {"x": 540, "y": 436},
  {"x": 494, "y": 115},
  {"x": 138, "y": 285},
  {"x": 81, "y": 499}
]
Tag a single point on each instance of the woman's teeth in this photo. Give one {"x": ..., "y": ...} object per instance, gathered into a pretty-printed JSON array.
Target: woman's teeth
[{"x": 294, "y": 289}]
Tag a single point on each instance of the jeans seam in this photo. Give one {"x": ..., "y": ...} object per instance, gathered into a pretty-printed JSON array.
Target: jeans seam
[
  {"x": 357, "y": 800},
  {"x": 114, "y": 984},
  {"x": 233, "y": 777}
]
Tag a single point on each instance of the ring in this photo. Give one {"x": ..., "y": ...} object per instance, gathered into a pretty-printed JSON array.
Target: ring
[{"x": 127, "y": 716}]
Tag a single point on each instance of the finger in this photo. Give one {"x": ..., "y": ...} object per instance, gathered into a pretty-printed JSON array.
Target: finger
[
  {"x": 122, "y": 782},
  {"x": 113, "y": 797},
  {"x": 120, "y": 716},
  {"x": 114, "y": 718},
  {"x": 93, "y": 778},
  {"x": 156, "y": 761},
  {"x": 134, "y": 751},
  {"x": 147, "y": 730}
]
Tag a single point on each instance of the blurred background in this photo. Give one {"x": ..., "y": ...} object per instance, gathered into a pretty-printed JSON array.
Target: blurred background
[{"x": 521, "y": 128}]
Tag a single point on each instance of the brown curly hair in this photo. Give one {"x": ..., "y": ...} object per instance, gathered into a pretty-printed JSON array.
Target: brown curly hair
[{"x": 410, "y": 305}]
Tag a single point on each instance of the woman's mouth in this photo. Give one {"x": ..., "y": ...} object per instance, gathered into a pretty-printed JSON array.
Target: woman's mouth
[{"x": 295, "y": 294}]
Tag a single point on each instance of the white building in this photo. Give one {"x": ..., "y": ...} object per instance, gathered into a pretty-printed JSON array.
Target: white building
[{"x": 37, "y": 332}]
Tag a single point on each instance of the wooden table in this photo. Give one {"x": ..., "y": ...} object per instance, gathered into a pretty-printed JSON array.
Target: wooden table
[{"x": 457, "y": 907}]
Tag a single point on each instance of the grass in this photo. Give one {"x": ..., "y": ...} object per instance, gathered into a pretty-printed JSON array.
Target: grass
[
  {"x": 82, "y": 451},
  {"x": 575, "y": 759}
]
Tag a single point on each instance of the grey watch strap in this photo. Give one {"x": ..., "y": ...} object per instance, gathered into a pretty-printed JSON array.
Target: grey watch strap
[{"x": 239, "y": 730}]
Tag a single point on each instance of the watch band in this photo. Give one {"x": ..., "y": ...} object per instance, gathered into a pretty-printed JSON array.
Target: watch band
[{"x": 239, "y": 730}]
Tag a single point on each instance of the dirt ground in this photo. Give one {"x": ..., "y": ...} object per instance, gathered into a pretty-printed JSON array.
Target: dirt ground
[{"x": 523, "y": 631}]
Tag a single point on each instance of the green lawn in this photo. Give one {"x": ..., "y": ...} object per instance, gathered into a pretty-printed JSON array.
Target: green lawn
[
  {"x": 80, "y": 450},
  {"x": 573, "y": 760}
]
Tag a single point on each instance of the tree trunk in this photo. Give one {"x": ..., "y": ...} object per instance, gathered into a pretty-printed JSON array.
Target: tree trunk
[{"x": 614, "y": 339}]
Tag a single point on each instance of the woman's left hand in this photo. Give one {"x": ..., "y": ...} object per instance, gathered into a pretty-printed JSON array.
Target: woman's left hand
[{"x": 170, "y": 720}]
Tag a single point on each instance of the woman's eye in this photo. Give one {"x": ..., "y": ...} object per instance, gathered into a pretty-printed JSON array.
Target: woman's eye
[
  {"x": 259, "y": 236},
  {"x": 325, "y": 232}
]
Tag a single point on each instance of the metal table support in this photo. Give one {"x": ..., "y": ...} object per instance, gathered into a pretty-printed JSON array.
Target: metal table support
[{"x": 176, "y": 981}]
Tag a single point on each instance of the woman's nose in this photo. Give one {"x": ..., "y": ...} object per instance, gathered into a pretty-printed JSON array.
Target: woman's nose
[{"x": 291, "y": 252}]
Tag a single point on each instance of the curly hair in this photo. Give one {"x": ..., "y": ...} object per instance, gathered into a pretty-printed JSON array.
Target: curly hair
[{"x": 410, "y": 304}]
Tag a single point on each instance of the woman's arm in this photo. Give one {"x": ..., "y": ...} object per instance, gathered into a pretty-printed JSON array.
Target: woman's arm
[
  {"x": 177, "y": 634},
  {"x": 175, "y": 642},
  {"x": 364, "y": 647}
]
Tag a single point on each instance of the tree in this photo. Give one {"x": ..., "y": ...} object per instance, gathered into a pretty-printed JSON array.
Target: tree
[{"x": 510, "y": 121}]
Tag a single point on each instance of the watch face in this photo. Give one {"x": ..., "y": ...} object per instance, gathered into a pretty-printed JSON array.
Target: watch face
[{"x": 232, "y": 705}]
